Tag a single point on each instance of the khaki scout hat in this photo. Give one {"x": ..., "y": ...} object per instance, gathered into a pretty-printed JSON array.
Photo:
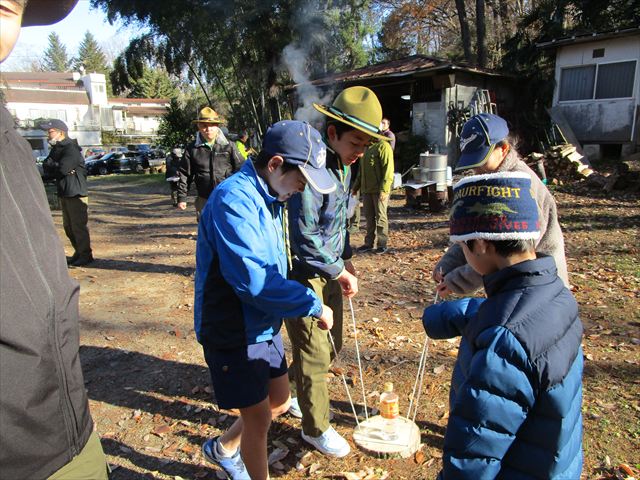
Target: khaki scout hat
[
  {"x": 209, "y": 115},
  {"x": 46, "y": 12},
  {"x": 358, "y": 107}
]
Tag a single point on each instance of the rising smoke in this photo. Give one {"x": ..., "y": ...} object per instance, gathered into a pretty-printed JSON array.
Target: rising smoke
[{"x": 295, "y": 58}]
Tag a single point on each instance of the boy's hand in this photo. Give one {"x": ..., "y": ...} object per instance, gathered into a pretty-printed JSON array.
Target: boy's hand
[
  {"x": 349, "y": 283},
  {"x": 182, "y": 206},
  {"x": 437, "y": 275},
  {"x": 325, "y": 321},
  {"x": 443, "y": 290}
]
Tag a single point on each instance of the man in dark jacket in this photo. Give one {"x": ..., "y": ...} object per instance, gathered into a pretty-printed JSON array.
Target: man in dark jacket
[
  {"x": 171, "y": 173},
  {"x": 46, "y": 430},
  {"x": 208, "y": 160},
  {"x": 66, "y": 161}
]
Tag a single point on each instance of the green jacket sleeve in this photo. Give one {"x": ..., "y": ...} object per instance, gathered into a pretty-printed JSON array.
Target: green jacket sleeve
[{"x": 386, "y": 167}]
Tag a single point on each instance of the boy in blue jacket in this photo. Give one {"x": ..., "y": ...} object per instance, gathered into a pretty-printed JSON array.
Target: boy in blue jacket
[
  {"x": 242, "y": 292},
  {"x": 516, "y": 389}
]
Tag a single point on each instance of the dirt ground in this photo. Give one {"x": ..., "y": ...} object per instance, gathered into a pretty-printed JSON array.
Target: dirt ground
[{"x": 150, "y": 391}]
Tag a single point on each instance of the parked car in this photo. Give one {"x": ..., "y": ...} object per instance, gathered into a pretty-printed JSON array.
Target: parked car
[
  {"x": 116, "y": 162},
  {"x": 94, "y": 151},
  {"x": 138, "y": 161},
  {"x": 119, "y": 149}
]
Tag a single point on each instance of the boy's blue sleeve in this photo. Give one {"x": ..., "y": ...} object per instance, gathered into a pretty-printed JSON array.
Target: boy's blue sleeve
[
  {"x": 306, "y": 238},
  {"x": 448, "y": 319},
  {"x": 249, "y": 265},
  {"x": 489, "y": 408}
]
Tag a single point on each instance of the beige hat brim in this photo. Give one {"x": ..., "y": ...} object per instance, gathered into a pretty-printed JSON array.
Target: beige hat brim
[
  {"x": 219, "y": 122},
  {"x": 322, "y": 109}
]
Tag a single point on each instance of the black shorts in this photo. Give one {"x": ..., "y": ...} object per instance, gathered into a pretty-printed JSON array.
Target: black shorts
[{"x": 241, "y": 376}]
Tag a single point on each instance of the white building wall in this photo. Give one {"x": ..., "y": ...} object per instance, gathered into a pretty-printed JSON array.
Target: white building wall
[
  {"x": 600, "y": 120},
  {"x": 96, "y": 86}
]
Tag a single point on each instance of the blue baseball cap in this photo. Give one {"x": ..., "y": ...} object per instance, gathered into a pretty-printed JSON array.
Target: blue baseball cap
[
  {"x": 478, "y": 139},
  {"x": 54, "y": 123},
  {"x": 300, "y": 144}
]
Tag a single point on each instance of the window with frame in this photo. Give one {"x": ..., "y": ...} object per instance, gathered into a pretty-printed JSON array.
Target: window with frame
[
  {"x": 576, "y": 83},
  {"x": 615, "y": 80},
  {"x": 598, "y": 81}
]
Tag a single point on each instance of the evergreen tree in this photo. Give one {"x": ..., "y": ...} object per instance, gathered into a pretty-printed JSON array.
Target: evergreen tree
[
  {"x": 90, "y": 56},
  {"x": 55, "y": 57},
  {"x": 154, "y": 83}
]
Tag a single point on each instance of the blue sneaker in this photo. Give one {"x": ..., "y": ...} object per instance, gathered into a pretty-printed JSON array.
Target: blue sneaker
[
  {"x": 232, "y": 466},
  {"x": 330, "y": 443}
]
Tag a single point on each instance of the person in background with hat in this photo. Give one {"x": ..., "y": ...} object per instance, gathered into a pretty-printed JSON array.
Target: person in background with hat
[
  {"x": 320, "y": 243},
  {"x": 242, "y": 292},
  {"x": 46, "y": 427},
  {"x": 516, "y": 390},
  {"x": 487, "y": 147},
  {"x": 208, "y": 160},
  {"x": 66, "y": 162}
]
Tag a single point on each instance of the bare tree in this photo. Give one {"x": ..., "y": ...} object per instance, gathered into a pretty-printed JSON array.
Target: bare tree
[
  {"x": 464, "y": 31},
  {"x": 481, "y": 34}
]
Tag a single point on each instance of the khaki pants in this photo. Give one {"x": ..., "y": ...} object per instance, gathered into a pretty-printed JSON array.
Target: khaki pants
[
  {"x": 199, "y": 203},
  {"x": 90, "y": 464},
  {"x": 74, "y": 220},
  {"x": 375, "y": 212},
  {"x": 312, "y": 354}
]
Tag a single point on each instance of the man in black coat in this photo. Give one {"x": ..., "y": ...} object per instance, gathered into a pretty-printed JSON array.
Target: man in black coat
[
  {"x": 66, "y": 161},
  {"x": 208, "y": 160},
  {"x": 46, "y": 430}
]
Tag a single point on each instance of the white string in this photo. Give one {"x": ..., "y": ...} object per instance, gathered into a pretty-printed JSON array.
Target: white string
[
  {"x": 344, "y": 380},
  {"x": 417, "y": 386},
  {"x": 355, "y": 336}
]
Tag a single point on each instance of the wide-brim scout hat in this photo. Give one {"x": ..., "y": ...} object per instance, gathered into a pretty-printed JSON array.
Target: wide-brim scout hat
[
  {"x": 209, "y": 115},
  {"x": 46, "y": 12},
  {"x": 478, "y": 139},
  {"x": 357, "y": 107}
]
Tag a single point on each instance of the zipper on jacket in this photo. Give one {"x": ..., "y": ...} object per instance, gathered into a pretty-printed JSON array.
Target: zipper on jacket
[{"x": 72, "y": 433}]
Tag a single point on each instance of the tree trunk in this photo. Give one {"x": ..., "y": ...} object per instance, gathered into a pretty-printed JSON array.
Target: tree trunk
[
  {"x": 464, "y": 31},
  {"x": 481, "y": 34}
]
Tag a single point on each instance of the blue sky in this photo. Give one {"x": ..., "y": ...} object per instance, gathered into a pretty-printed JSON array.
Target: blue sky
[{"x": 33, "y": 41}]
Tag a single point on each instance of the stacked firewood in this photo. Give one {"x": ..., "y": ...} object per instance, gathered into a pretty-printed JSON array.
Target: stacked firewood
[{"x": 559, "y": 164}]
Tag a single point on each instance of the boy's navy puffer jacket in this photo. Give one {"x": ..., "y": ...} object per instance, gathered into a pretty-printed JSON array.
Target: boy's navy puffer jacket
[{"x": 516, "y": 390}]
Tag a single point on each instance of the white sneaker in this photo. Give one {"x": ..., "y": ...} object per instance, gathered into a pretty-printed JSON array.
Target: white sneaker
[
  {"x": 330, "y": 443},
  {"x": 294, "y": 408}
]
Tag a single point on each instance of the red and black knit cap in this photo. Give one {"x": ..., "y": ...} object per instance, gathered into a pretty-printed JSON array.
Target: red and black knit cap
[{"x": 494, "y": 206}]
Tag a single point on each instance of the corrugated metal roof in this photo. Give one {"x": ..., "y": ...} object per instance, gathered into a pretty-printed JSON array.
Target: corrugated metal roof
[
  {"x": 589, "y": 37},
  {"x": 407, "y": 66}
]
